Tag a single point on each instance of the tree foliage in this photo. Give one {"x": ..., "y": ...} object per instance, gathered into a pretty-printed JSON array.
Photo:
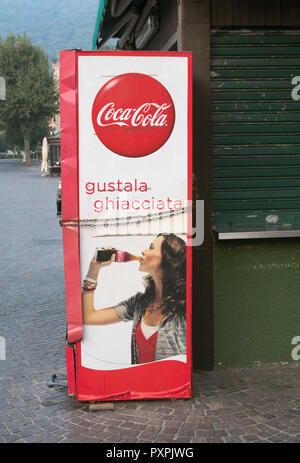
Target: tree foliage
[{"x": 31, "y": 97}]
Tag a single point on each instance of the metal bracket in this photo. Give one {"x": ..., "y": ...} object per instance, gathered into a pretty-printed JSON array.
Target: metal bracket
[
  {"x": 237, "y": 234},
  {"x": 54, "y": 383}
]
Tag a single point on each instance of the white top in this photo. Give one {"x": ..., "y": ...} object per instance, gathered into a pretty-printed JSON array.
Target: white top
[{"x": 148, "y": 330}]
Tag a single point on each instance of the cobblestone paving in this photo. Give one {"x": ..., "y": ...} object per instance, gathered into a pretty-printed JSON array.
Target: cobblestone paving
[{"x": 259, "y": 404}]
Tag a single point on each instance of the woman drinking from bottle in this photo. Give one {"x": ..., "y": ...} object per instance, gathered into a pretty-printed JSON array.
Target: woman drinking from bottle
[{"x": 158, "y": 314}]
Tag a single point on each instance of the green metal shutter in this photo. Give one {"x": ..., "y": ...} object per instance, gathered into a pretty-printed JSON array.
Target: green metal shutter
[{"x": 255, "y": 128}]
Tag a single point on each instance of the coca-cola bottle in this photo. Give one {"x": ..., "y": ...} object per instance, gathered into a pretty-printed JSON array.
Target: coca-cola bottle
[{"x": 103, "y": 255}]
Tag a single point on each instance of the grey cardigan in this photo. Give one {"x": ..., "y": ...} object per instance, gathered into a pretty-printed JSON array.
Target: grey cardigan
[{"x": 171, "y": 337}]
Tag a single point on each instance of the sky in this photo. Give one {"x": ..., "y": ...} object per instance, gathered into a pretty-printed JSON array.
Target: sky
[{"x": 55, "y": 25}]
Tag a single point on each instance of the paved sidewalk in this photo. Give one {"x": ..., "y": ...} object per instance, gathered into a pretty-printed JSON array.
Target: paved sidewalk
[{"x": 259, "y": 404}]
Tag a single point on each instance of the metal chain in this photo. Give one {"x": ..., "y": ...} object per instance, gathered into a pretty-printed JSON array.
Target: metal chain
[{"x": 123, "y": 220}]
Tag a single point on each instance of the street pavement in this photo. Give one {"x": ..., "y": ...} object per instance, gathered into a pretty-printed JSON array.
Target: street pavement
[{"x": 258, "y": 404}]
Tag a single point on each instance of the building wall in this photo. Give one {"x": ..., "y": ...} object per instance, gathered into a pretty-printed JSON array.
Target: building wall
[
  {"x": 256, "y": 282},
  {"x": 194, "y": 36},
  {"x": 256, "y": 300},
  {"x": 255, "y": 12}
]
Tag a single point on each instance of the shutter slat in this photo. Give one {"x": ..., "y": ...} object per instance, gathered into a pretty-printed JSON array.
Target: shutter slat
[
  {"x": 256, "y": 161},
  {"x": 245, "y": 107},
  {"x": 252, "y": 117},
  {"x": 258, "y": 171},
  {"x": 251, "y": 84},
  {"x": 260, "y": 50},
  {"x": 292, "y": 62},
  {"x": 247, "y": 150},
  {"x": 250, "y": 96},
  {"x": 273, "y": 40},
  {"x": 255, "y": 128},
  {"x": 256, "y": 139},
  {"x": 235, "y": 73},
  {"x": 270, "y": 205},
  {"x": 259, "y": 218},
  {"x": 255, "y": 189}
]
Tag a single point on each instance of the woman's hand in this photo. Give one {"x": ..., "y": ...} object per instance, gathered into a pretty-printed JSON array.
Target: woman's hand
[
  {"x": 90, "y": 315},
  {"x": 96, "y": 265}
]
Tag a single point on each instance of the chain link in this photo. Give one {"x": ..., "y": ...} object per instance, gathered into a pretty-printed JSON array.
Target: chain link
[{"x": 123, "y": 220}]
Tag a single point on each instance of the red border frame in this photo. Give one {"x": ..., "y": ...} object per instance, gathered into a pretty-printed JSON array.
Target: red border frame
[
  {"x": 70, "y": 364},
  {"x": 173, "y": 386},
  {"x": 70, "y": 198}
]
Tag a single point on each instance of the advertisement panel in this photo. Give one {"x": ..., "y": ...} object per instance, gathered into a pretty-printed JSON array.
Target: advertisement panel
[{"x": 126, "y": 135}]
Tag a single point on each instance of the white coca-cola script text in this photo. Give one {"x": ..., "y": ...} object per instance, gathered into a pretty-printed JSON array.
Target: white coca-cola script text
[{"x": 134, "y": 117}]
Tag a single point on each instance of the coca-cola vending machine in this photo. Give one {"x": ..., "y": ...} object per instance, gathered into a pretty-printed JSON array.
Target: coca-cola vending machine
[{"x": 126, "y": 161}]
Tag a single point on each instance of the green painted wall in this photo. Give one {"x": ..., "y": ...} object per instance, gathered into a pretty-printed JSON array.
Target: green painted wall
[{"x": 256, "y": 300}]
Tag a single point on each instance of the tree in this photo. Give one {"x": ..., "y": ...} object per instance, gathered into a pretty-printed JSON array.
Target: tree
[
  {"x": 15, "y": 138},
  {"x": 3, "y": 142},
  {"x": 31, "y": 97}
]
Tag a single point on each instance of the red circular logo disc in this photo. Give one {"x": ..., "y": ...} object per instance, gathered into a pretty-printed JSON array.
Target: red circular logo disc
[{"x": 133, "y": 115}]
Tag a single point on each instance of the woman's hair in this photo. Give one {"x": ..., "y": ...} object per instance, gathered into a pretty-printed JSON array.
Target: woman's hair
[{"x": 173, "y": 265}]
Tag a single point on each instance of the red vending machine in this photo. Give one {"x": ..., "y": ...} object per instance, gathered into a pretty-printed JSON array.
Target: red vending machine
[{"x": 126, "y": 161}]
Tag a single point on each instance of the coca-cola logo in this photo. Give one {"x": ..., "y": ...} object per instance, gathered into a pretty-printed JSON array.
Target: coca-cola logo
[{"x": 133, "y": 115}]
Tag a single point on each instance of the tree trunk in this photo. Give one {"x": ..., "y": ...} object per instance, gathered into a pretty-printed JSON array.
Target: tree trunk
[{"x": 27, "y": 148}]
